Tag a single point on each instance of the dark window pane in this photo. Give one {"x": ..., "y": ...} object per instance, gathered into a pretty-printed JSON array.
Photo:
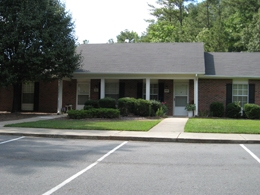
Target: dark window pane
[
  {"x": 181, "y": 101},
  {"x": 28, "y": 98},
  {"x": 82, "y": 99}
]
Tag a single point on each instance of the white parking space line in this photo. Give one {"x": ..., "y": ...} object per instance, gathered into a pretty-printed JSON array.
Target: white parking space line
[
  {"x": 251, "y": 153},
  {"x": 83, "y": 171},
  {"x": 11, "y": 140}
]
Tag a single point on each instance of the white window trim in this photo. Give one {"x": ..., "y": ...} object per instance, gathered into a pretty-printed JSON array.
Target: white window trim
[
  {"x": 240, "y": 82},
  {"x": 113, "y": 94},
  {"x": 114, "y": 81},
  {"x": 152, "y": 82},
  {"x": 80, "y": 106}
]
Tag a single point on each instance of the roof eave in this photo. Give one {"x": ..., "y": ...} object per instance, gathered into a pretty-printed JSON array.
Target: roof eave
[
  {"x": 228, "y": 76},
  {"x": 139, "y": 73}
]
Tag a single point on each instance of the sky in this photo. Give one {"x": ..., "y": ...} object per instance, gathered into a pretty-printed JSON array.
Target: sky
[{"x": 101, "y": 20}]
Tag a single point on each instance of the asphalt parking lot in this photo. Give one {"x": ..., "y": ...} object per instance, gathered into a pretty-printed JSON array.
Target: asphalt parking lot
[{"x": 30, "y": 165}]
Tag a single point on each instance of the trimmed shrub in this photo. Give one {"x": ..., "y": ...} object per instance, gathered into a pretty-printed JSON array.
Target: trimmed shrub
[
  {"x": 126, "y": 105},
  {"x": 252, "y": 111},
  {"x": 234, "y": 110},
  {"x": 155, "y": 106},
  {"x": 87, "y": 107},
  {"x": 104, "y": 113},
  {"x": 91, "y": 104},
  {"x": 107, "y": 103},
  {"x": 143, "y": 107},
  {"x": 217, "y": 109},
  {"x": 94, "y": 113},
  {"x": 77, "y": 114}
]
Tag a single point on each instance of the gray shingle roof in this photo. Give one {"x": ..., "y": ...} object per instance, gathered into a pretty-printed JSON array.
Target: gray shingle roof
[
  {"x": 233, "y": 64},
  {"x": 150, "y": 58}
]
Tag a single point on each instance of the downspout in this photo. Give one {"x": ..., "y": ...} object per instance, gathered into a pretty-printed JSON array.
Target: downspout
[
  {"x": 196, "y": 94},
  {"x": 59, "y": 107}
]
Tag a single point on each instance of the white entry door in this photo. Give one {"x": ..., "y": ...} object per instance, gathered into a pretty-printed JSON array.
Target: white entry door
[{"x": 180, "y": 98}]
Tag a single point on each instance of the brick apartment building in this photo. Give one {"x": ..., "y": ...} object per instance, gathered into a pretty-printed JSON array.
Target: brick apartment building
[{"x": 175, "y": 73}]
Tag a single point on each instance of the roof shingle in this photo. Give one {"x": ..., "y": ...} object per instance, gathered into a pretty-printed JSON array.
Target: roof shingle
[
  {"x": 150, "y": 58},
  {"x": 233, "y": 64}
]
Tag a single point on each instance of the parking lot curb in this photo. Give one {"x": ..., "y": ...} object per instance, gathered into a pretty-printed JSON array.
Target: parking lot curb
[{"x": 135, "y": 138}]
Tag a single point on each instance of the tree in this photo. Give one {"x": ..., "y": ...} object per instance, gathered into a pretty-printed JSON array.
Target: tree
[
  {"x": 161, "y": 31},
  {"x": 169, "y": 23},
  {"x": 110, "y": 41},
  {"x": 213, "y": 34},
  {"x": 251, "y": 35},
  {"x": 127, "y": 36},
  {"x": 37, "y": 43},
  {"x": 239, "y": 17},
  {"x": 170, "y": 10},
  {"x": 85, "y": 41}
]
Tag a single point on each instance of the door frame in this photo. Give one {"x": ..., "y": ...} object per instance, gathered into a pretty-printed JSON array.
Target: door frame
[
  {"x": 81, "y": 106},
  {"x": 176, "y": 82}
]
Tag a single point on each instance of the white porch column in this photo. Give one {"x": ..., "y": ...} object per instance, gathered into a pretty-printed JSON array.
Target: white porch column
[
  {"x": 196, "y": 95},
  {"x": 60, "y": 86},
  {"x": 102, "y": 88},
  {"x": 147, "y": 92}
]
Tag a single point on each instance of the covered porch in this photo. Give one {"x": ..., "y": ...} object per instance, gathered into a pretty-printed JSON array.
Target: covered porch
[{"x": 175, "y": 90}]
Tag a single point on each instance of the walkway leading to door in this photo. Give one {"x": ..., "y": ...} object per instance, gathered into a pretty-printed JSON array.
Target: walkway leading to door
[{"x": 172, "y": 124}]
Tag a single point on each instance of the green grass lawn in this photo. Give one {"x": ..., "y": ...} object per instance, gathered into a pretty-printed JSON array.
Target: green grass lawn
[
  {"x": 128, "y": 125},
  {"x": 242, "y": 126}
]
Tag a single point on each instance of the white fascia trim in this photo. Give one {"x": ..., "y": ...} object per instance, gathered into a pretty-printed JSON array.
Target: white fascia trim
[
  {"x": 228, "y": 77},
  {"x": 137, "y": 73}
]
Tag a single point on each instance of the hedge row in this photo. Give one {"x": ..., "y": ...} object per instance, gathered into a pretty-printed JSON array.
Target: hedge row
[
  {"x": 233, "y": 110},
  {"x": 141, "y": 107},
  {"x": 130, "y": 106},
  {"x": 102, "y": 103},
  {"x": 94, "y": 113}
]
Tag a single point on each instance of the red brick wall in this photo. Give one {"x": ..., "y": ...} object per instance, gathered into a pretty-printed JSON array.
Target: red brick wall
[
  {"x": 93, "y": 84},
  {"x": 257, "y": 90},
  {"x": 6, "y": 99},
  {"x": 69, "y": 93},
  {"x": 168, "y": 97},
  {"x": 48, "y": 97},
  {"x": 212, "y": 90}
]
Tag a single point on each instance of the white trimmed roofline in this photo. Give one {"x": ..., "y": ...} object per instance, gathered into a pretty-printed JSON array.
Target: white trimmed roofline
[
  {"x": 144, "y": 73},
  {"x": 227, "y": 77}
]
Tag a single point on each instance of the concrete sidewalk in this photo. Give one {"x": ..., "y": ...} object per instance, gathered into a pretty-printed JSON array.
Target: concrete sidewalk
[{"x": 169, "y": 130}]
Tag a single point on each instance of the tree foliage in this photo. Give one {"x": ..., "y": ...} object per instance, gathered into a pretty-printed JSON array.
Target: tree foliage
[
  {"x": 251, "y": 34},
  {"x": 37, "y": 42},
  {"x": 127, "y": 36},
  {"x": 226, "y": 25},
  {"x": 111, "y": 41}
]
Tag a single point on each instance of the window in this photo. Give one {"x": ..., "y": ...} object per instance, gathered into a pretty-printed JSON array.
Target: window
[
  {"x": 83, "y": 93},
  {"x": 112, "y": 89},
  {"x": 153, "y": 90},
  {"x": 28, "y": 93},
  {"x": 240, "y": 93}
]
